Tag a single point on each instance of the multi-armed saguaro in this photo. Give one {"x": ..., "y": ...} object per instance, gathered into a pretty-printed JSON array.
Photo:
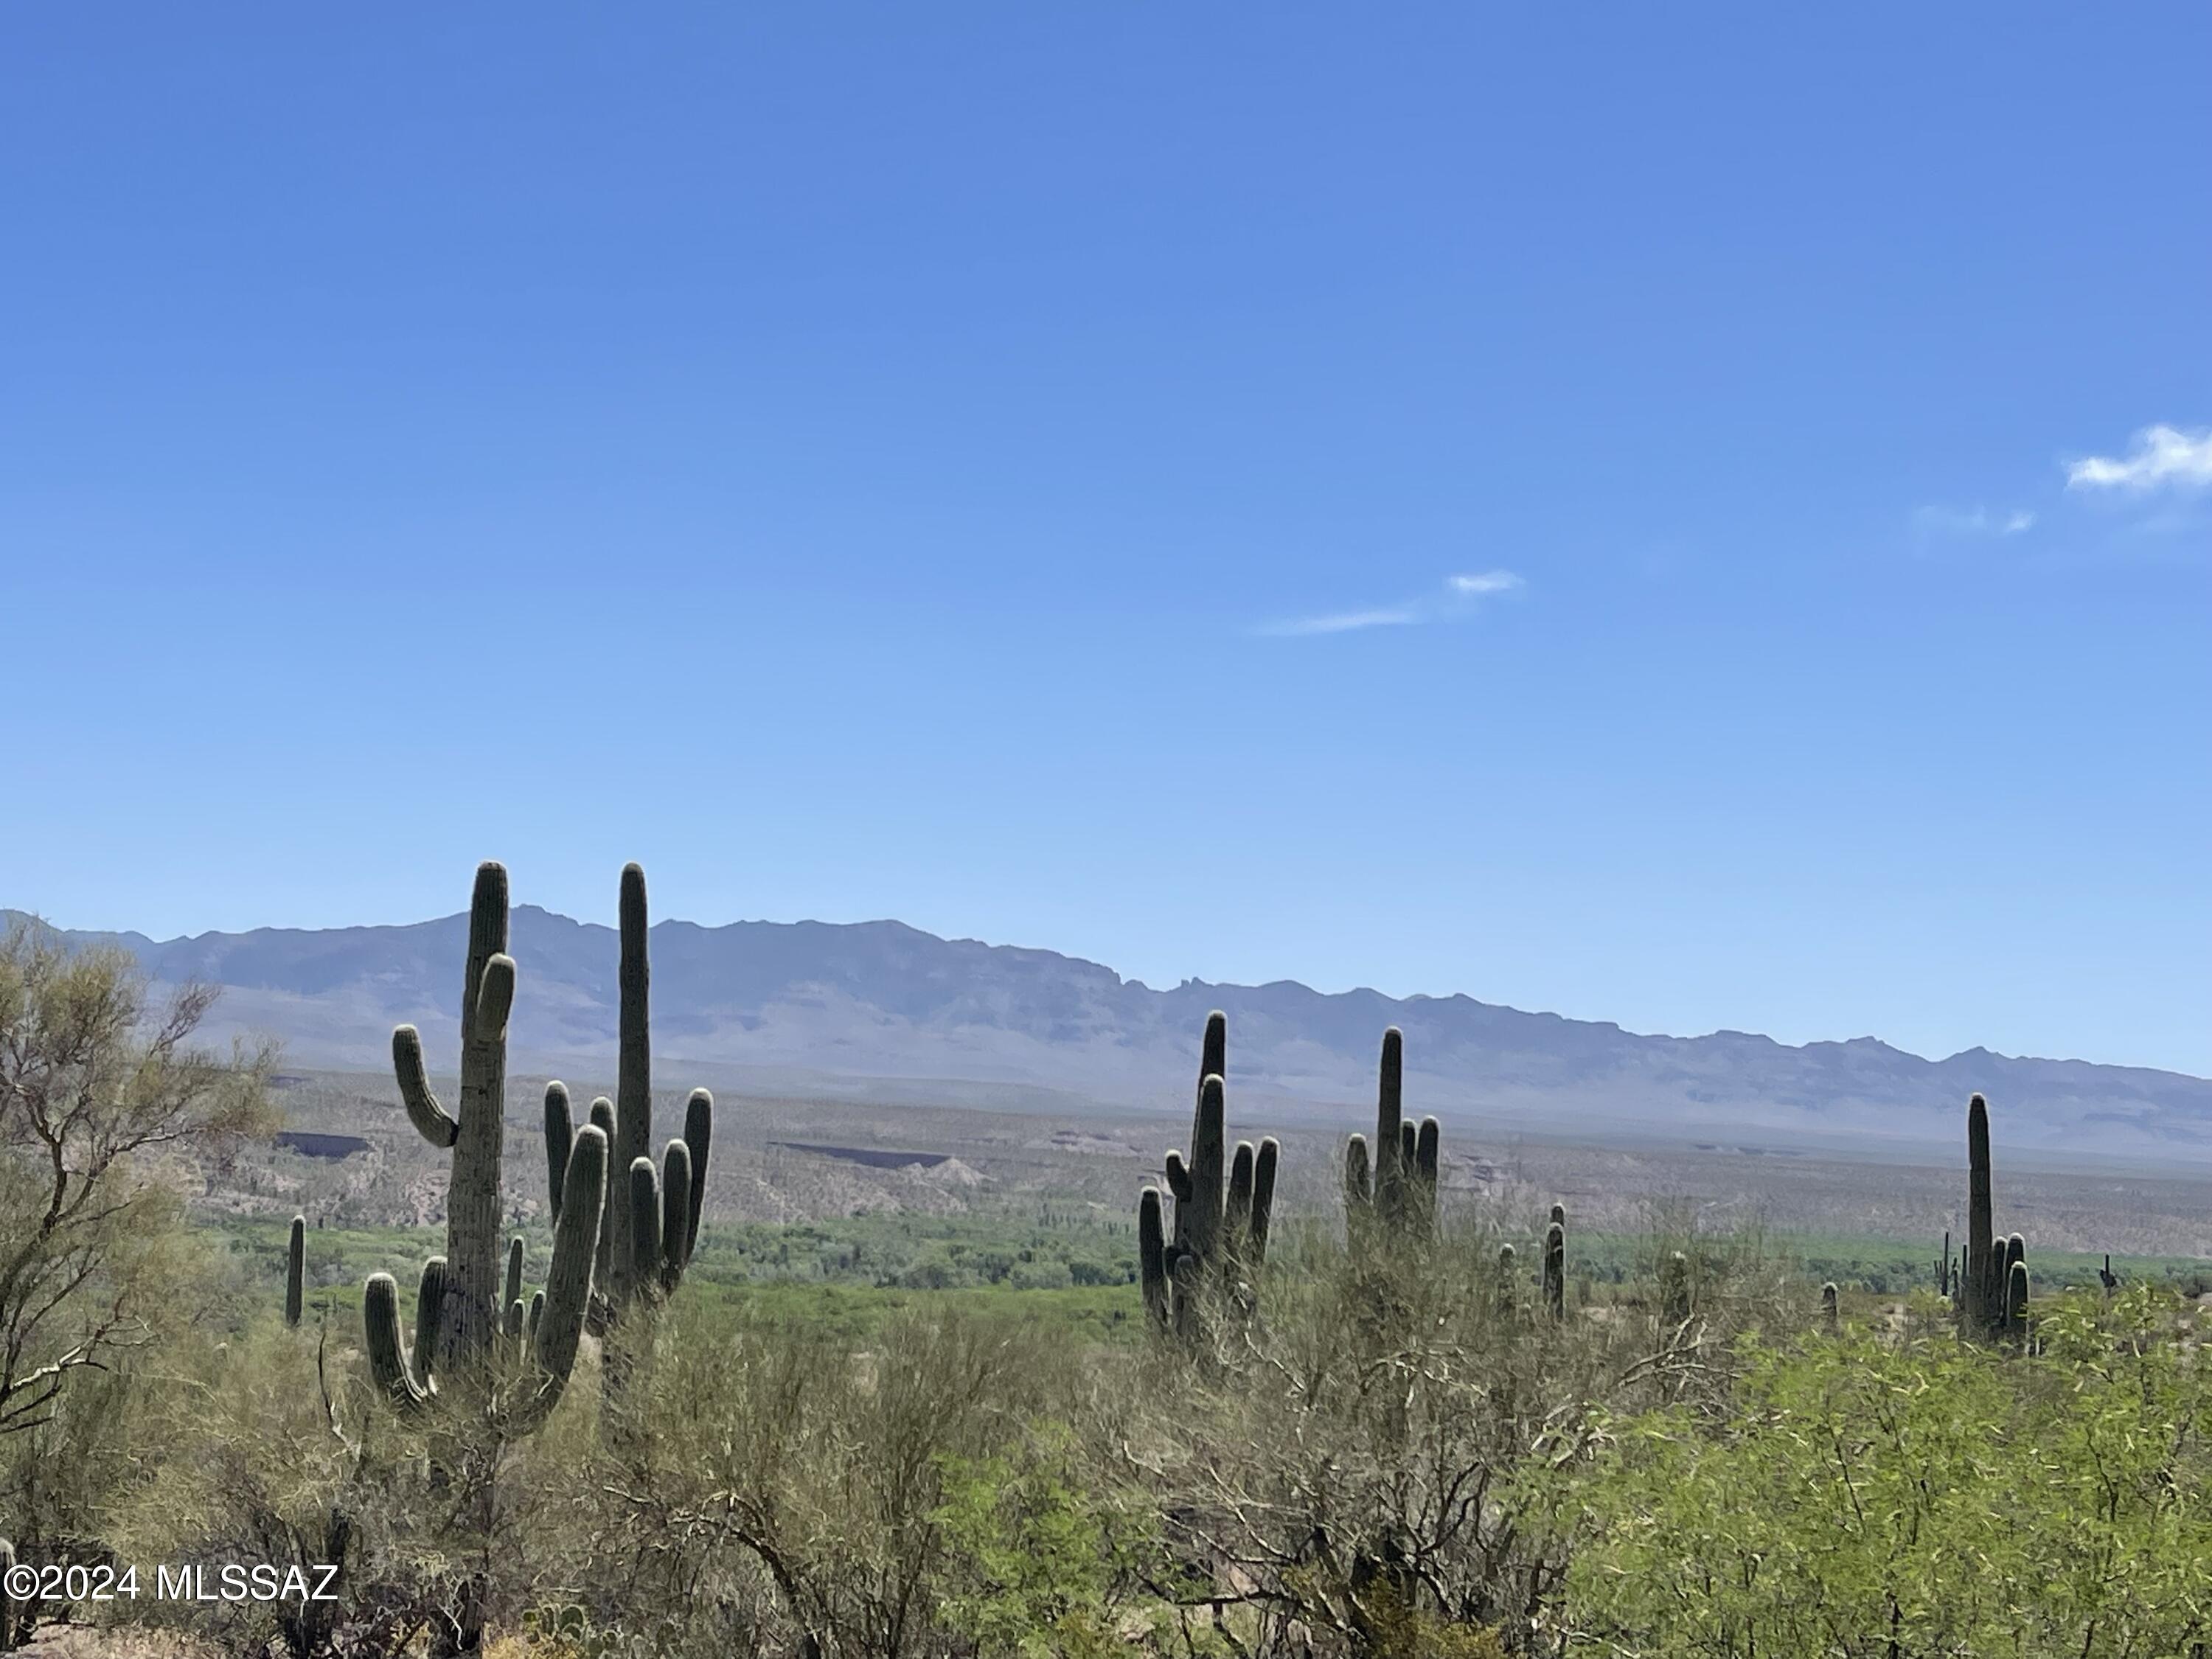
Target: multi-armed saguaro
[
  {"x": 616, "y": 1241},
  {"x": 1394, "y": 1182},
  {"x": 459, "y": 1310},
  {"x": 1219, "y": 1231}
]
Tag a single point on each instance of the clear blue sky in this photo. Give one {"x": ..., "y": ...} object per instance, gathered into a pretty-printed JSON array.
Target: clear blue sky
[{"x": 1006, "y": 467}]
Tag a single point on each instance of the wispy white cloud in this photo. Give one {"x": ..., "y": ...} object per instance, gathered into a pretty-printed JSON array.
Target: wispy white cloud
[
  {"x": 2164, "y": 457},
  {"x": 1344, "y": 622},
  {"x": 1490, "y": 581},
  {"x": 1972, "y": 521},
  {"x": 1461, "y": 594}
]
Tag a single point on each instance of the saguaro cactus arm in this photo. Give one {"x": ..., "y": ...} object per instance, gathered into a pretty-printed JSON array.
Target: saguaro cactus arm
[
  {"x": 424, "y": 1110},
  {"x": 560, "y": 1132},
  {"x": 404, "y": 1377},
  {"x": 675, "y": 1231},
  {"x": 612, "y": 1197},
  {"x": 1151, "y": 1255},
  {"x": 1263, "y": 1198},
  {"x": 698, "y": 1141},
  {"x": 1176, "y": 1173},
  {"x": 1428, "y": 1151},
  {"x": 557, "y": 1317},
  {"x": 1358, "y": 1178},
  {"x": 1239, "y": 1215},
  {"x": 644, "y": 1223}
]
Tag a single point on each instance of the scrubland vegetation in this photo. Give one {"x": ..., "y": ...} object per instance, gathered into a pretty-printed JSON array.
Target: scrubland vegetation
[{"x": 1366, "y": 1430}]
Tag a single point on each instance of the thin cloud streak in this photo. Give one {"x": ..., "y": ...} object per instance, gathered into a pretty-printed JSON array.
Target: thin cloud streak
[
  {"x": 1460, "y": 596},
  {"x": 1972, "y": 521},
  {"x": 2164, "y": 456},
  {"x": 1347, "y": 622}
]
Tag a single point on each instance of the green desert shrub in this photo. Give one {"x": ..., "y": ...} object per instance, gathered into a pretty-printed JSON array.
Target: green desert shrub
[{"x": 1927, "y": 1497}]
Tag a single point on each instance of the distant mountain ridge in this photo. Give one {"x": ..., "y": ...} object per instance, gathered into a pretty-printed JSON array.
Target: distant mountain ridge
[{"x": 883, "y": 1009}]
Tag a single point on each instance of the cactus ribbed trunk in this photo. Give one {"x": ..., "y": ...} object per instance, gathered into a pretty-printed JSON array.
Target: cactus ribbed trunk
[
  {"x": 1390, "y": 1126},
  {"x": 475, "y": 1250},
  {"x": 1198, "y": 1222},
  {"x": 632, "y": 1084},
  {"x": 1980, "y": 1224}
]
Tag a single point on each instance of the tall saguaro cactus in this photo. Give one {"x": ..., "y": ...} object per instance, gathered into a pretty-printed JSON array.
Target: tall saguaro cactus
[
  {"x": 460, "y": 1309},
  {"x": 1992, "y": 1283},
  {"x": 1222, "y": 1216},
  {"x": 473, "y": 1245},
  {"x": 1394, "y": 1183},
  {"x": 652, "y": 1221},
  {"x": 633, "y": 1075}
]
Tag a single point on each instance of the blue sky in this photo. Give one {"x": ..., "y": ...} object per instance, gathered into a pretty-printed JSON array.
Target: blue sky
[{"x": 1696, "y": 517}]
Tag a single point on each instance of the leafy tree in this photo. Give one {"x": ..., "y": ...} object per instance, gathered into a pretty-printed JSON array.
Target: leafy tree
[{"x": 98, "y": 1091}]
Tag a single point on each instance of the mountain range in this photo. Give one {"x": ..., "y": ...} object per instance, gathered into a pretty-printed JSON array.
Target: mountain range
[{"x": 881, "y": 1011}]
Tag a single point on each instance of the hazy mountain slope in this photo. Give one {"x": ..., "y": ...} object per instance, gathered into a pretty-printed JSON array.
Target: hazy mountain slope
[{"x": 884, "y": 1008}]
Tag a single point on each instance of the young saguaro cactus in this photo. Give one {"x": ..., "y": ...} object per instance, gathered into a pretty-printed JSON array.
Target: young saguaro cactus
[
  {"x": 1222, "y": 1217},
  {"x": 296, "y": 1272},
  {"x": 1674, "y": 1288},
  {"x": 1394, "y": 1182},
  {"x": 1555, "y": 1264}
]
